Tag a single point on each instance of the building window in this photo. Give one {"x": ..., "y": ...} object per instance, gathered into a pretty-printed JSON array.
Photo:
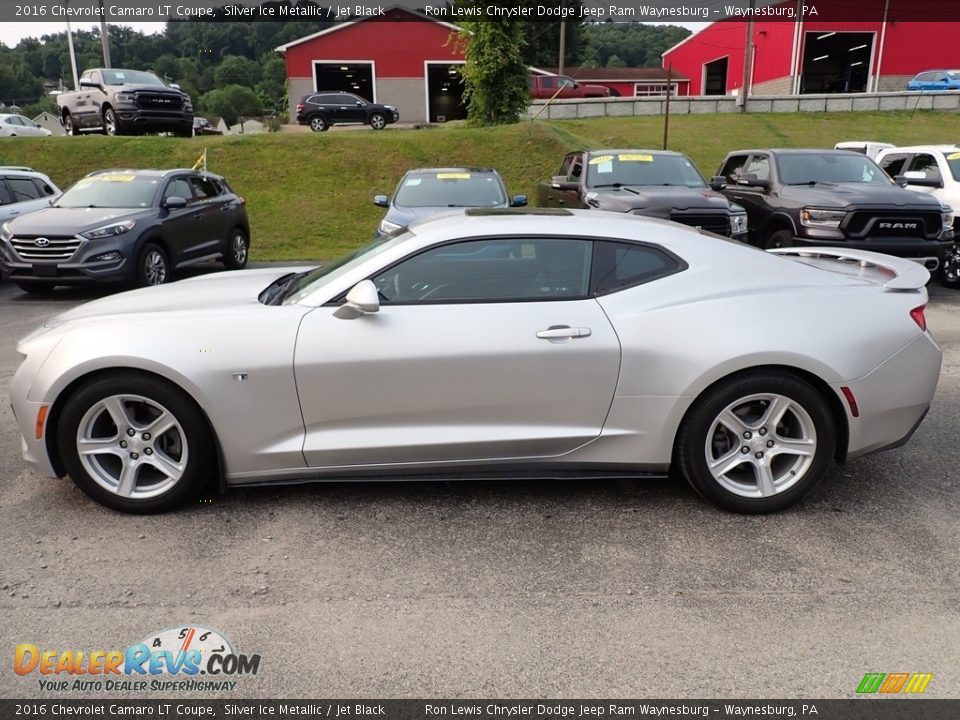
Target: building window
[{"x": 653, "y": 89}]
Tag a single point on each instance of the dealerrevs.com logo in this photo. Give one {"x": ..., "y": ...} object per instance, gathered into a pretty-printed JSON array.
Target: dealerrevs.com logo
[{"x": 187, "y": 658}]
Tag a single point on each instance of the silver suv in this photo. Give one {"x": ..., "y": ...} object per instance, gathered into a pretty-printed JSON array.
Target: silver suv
[{"x": 23, "y": 190}]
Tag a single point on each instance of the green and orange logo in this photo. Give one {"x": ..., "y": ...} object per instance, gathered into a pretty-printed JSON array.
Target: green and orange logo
[{"x": 894, "y": 683}]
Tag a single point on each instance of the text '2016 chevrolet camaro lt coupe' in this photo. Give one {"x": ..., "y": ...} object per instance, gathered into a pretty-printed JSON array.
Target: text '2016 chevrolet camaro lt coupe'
[{"x": 490, "y": 344}]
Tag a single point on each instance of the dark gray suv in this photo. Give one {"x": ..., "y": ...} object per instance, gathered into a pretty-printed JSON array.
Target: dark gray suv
[{"x": 130, "y": 226}]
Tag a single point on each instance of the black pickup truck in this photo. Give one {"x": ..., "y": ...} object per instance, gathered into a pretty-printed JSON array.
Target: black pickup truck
[
  {"x": 652, "y": 183},
  {"x": 834, "y": 198},
  {"x": 125, "y": 102}
]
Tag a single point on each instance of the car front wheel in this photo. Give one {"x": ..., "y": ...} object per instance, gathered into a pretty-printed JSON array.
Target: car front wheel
[
  {"x": 135, "y": 443},
  {"x": 236, "y": 256},
  {"x": 758, "y": 442},
  {"x": 780, "y": 239},
  {"x": 153, "y": 267},
  {"x": 111, "y": 124},
  {"x": 950, "y": 270},
  {"x": 378, "y": 121},
  {"x": 68, "y": 125}
]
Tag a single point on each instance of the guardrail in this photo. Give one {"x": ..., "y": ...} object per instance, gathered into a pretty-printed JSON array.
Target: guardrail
[{"x": 948, "y": 100}]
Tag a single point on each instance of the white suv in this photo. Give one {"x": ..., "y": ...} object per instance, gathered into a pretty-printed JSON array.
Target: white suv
[
  {"x": 935, "y": 170},
  {"x": 24, "y": 190}
]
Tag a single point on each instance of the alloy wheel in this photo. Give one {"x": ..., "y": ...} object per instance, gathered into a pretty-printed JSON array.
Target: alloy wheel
[
  {"x": 239, "y": 249},
  {"x": 155, "y": 268}
]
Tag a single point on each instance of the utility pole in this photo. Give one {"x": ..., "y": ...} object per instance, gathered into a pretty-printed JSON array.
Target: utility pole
[
  {"x": 747, "y": 58},
  {"x": 563, "y": 45},
  {"x": 666, "y": 109},
  {"x": 104, "y": 38},
  {"x": 73, "y": 55}
]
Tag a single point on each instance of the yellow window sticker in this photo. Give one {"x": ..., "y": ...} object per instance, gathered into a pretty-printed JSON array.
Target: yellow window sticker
[
  {"x": 635, "y": 158},
  {"x": 599, "y": 159},
  {"x": 117, "y": 178},
  {"x": 453, "y": 176},
  {"x": 954, "y": 156}
]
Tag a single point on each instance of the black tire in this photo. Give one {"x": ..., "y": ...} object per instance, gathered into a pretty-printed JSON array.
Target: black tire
[
  {"x": 702, "y": 425},
  {"x": 950, "y": 269},
  {"x": 111, "y": 123},
  {"x": 184, "y": 132},
  {"x": 36, "y": 288},
  {"x": 68, "y": 126},
  {"x": 153, "y": 266},
  {"x": 188, "y": 446},
  {"x": 237, "y": 250},
  {"x": 780, "y": 239},
  {"x": 318, "y": 123},
  {"x": 378, "y": 121}
]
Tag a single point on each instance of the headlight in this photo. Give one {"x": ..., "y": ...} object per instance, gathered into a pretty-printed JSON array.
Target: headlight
[
  {"x": 947, "y": 217},
  {"x": 109, "y": 230},
  {"x": 5, "y": 232},
  {"x": 388, "y": 227},
  {"x": 738, "y": 224},
  {"x": 811, "y": 217},
  {"x": 125, "y": 97}
]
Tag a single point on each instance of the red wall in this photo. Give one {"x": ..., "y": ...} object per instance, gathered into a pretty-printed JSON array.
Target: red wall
[
  {"x": 909, "y": 47},
  {"x": 398, "y": 48}
]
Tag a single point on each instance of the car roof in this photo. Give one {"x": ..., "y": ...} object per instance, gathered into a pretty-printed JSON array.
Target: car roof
[
  {"x": 150, "y": 172},
  {"x": 796, "y": 151},
  {"x": 923, "y": 148},
  {"x": 625, "y": 151},
  {"x": 451, "y": 169}
]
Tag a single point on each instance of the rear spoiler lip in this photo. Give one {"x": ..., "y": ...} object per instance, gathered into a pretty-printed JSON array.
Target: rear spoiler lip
[{"x": 908, "y": 275}]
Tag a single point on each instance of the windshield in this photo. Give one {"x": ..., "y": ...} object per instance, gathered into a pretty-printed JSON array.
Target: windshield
[
  {"x": 115, "y": 190},
  {"x": 642, "y": 169},
  {"x": 954, "y": 74},
  {"x": 839, "y": 167},
  {"x": 302, "y": 285},
  {"x": 134, "y": 77},
  {"x": 953, "y": 160},
  {"x": 451, "y": 189}
]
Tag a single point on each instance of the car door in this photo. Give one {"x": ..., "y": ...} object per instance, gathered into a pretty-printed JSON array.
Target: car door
[
  {"x": 487, "y": 349},
  {"x": 30, "y": 128},
  {"x": 211, "y": 209},
  {"x": 12, "y": 126},
  {"x": 753, "y": 199},
  {"x": 349, "y": 111},
  {"x": 180, "y": 226},
  {"x": 8, "y": 210}
]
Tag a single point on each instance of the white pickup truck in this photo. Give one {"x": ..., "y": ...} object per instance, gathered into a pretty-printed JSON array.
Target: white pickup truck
[{"x": 935, "y": 170}]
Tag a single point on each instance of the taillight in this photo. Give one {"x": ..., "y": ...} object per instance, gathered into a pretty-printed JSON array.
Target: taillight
[
  {"x": 299, "y": 107},
  {"x": 918, "y": 317}
]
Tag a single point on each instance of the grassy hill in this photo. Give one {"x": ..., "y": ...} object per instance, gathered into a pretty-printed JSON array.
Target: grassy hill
[{"x": 309, "y": 196}]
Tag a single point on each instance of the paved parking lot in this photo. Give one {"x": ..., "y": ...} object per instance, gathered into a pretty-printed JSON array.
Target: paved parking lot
[{"x": 626, "y": 589}]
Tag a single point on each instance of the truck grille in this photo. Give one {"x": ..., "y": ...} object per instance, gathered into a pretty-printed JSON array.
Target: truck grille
[
  {"x": 869, "y": 223},
  {"x": 159, "y": 101},
  {"x": 54, "y": 248},
  {"x": 719, "y": 224}
]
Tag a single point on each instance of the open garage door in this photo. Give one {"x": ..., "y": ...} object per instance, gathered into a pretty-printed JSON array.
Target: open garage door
[
  {"x": 836, "y": 62},
  {"x": 445, "y": 92},
  {"x": 715, "y": 77},
  {"x": 352, "y": 77}
]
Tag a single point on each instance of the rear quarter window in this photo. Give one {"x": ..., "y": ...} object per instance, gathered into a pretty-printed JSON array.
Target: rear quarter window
[{"x": 618, "y": 266}]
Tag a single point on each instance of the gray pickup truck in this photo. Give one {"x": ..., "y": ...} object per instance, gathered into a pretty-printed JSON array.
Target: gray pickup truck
[
  {"x": 125, "y": 102},
  {"x": 652, "y": 183}
]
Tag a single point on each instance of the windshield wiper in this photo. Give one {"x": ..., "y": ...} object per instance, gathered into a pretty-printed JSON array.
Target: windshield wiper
[
  {"x": 271, "y": 294},
  {"x": 605, "y": 185}
]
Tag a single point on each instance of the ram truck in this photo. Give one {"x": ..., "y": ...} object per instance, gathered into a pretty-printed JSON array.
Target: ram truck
[
  {"x": 652, "y": 183},
  {"x": 125, "y": 102},
  {"x": 545, "y": 87}
]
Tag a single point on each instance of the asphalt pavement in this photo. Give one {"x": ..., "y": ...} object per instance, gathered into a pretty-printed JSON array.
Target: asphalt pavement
[{"x": 497, "y": 589}]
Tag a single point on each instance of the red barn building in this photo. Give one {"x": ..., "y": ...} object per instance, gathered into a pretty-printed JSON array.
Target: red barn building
[
  {"x": 849, "y": 46},
  {"x": 405, "y": 59}
]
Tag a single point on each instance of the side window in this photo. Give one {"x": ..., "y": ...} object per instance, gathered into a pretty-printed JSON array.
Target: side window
[
  {"x": 203, "y": 188},
  {"x": 566, "y": 82},
  {"x": 14, "y": 120},
  {"x": 178, "y": 187},
  {"x": 325, "y": 99},
  {"x": 927, "y": 164},
  {"x": 43, "y": 187},
  {"x": 565, "y": 166},
  {"x": 5, "y": 198},
  {"x": 576, "y": 168},
  {"x": 548, "y": 81},
  {"x": 892, "y": 164},
  {"x": 733, "y": 167},
  {"x": 95, "y": 76},
  {"x": 621, "y": 265},
  {"x": 22, "y": 189},
  {"x": 491, "y": 270},
  {"x": 759, "y": 165}
]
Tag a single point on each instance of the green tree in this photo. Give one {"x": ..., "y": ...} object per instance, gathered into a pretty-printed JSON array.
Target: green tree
[
  {"x": 237, "y": 70},
  {"x": 495, "y": 74},
  {"x": 232, "y": 102}
]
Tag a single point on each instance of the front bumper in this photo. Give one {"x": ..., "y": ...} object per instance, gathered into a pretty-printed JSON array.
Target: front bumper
[
  {"x": 148, "y": 119},
  {"x": 80, "y": 269},
  {"x": 26, "y": 411}
]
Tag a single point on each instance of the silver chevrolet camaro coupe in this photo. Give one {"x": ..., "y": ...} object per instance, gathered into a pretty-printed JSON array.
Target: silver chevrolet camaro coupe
[{"x": 489, "y": 344}]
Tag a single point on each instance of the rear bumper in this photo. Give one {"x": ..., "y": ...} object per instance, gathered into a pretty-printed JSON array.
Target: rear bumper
[{"x": 894, "y": 398}]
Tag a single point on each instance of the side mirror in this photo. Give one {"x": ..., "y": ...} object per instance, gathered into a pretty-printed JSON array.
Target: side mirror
[
  {"x": 174, "y": 202},
  {"x": 718, "y": 182},
  {"x": 363, "y": 298},
  {"x": 518, "y": 201},
  {"x": 901, "y": 180},
  {"x": 752, "y": 180},
  {"x": 559, "y": 182},
  {"x": 358, "y": 104},
  {"x": 89, "y": 84},
  {"x": 175, "y": 86},
  {"x": 381, "y": 201}
]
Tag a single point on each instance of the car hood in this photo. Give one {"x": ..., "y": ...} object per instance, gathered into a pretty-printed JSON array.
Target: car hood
[
  {"x": 406, "y": 215},
  {"x": 861, "y": 195},
  {"x": 656, "y": 200},
  {"x": 220, "y": 290},
  {"x": 71, "y": 221}
]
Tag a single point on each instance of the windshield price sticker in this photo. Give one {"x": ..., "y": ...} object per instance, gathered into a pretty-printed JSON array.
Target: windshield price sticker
[
  {"x": 635, "y": 158},
  {"x": 116, "y": 178},
  {"x": 453, "y": 176},
  {"x": 954, "y": 156},
  {"x": 600, "y": 159}
]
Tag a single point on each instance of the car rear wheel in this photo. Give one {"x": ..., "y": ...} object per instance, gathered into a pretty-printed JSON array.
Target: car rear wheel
[
  {"x": 950, "y": 270},
  {"x": 135, "y": 443},
  {"x": 36, "y": 288},
  {"x": 153, "y": 267},
  {"x": 780, "y": 239},
  {"x": 318, "y": 123},
  {"x": 378, "y": 121},
  {"x": 758, "y": 442},
  {"x": 237, "y": 250}
]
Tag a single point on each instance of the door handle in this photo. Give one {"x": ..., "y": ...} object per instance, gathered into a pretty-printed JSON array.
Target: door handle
[{"x": 563, "y": 332}]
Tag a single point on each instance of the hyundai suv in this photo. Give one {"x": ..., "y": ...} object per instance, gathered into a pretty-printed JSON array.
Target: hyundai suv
[{"x": 131, "y": 226}]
